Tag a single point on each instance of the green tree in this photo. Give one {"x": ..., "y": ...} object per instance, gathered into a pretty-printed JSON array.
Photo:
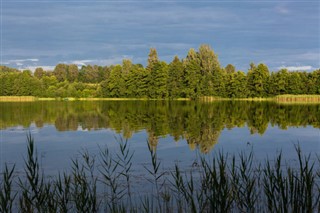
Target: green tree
[
  {"x": 73, "y": 72},
  {"x": 7, "y": 83},
  {"x": 210, "y": 70},
  {"x": 137, "y": 82},
  {"x": 208, "y": 59},
  {"x": 125, "y": 71},
  {"x": 278, "y": 82},
  {"x": 240, "y": 85},
  {"x": 49, "y": 81},
  {"x": 230, "y": 69},
  {"x": 39, "y": 73},
  {"x": 115, "y": 85},
  {"x": 25, "y": 84},
  {"x": 152, "y": 59},
  {"x": 313, "y": 82},
  {"x": 316, "y": 73},
  {"x": 158, "y": 81},
  {"x": 219, "y": 83},
  {"x": 192, "y": 75},
  {"x": 304, "y": 81},
  {"x": 258, "y": 81},
  {"x": 175, "y": 78},
  {"x": 60, "y": 71},
  {"x": 126, "y": 66},
  {"x": 294, "y": 83},
  {"x": 89, "y": 74},
  {"x": 236, "y": 85}
]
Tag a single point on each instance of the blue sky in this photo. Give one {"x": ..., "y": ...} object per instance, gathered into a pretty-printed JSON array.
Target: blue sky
[{"x": 45, "y": 33}]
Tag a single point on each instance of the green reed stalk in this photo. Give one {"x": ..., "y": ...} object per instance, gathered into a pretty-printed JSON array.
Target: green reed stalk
[
  {"x": 7, "y": 196},
  {"x": 178, "y": 188},
  {"x": 110, "y": 176},
  {"x": 244, "y": 181},
  {"x": 34, "y": 190},
  {"x": 217, "y": 184},
  {"x": 124, "y": 161},
  {"x": 62, "y": 193},
  {"x": 84, "y": 184},
  {"x": 220, "y": 185},
  {"x": 155, "y": 173}
]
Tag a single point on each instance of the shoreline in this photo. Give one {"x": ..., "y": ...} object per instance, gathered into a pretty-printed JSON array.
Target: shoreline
[{"x": 279, "y": 99}]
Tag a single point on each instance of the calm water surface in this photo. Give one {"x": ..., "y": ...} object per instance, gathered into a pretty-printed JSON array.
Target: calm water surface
[{"x": 179, "y": 131}]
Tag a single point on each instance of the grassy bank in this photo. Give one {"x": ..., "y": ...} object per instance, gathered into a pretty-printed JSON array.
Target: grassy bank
[
  {"x": 32, "y": 98},
  {"x": 297, "y": 98},
  {"x": 223, "y": 184},
  {"x": 215, "y": 98},
  {"x": 278, "y": 99},
  {"x": 17, "y": 98}
]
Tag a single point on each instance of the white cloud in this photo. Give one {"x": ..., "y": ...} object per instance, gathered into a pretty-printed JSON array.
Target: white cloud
[
  {"x": 33, "y": 68},
  {"x": 15, "y": 61},
  {"x": 102, "y": 62},
  {"x": 296, "y": 68},
  {"x": 81, "y": 62},
  {"x": 20, "y": 62},
  {"x": 113, "y": 61}
]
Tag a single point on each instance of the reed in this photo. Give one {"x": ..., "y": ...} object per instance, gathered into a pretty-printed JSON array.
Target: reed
[
  {"x": 155, "y": 173},
  {"x": 297, "y": 98},
  {"x": 110, "y": 177},
  {"x": 223, "y": 184},
  {"x": 84, "y": 184},
  {"x": 35, "y": 192},
  {"x": 17, "y": 98},
  {"x": 62, "y": 194},
  {"x": 125, "y": 163},
  {"x": 7, "y": 196}
]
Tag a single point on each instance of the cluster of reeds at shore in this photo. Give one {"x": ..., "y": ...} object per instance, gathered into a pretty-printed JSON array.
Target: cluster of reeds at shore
[
  {"x": 297, "y": 98},
  {"x": 223, "y": 184}
]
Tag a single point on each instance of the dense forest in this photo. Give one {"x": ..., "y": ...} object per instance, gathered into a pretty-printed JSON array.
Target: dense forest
[{"x": 199, "y": 74}]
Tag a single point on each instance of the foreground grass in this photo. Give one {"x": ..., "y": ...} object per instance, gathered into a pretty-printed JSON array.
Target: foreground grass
[{"x": 225, "y": 184}]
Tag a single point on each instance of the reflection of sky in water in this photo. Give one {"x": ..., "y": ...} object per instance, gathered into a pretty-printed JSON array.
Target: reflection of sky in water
[{"x": 55, "y": 149}]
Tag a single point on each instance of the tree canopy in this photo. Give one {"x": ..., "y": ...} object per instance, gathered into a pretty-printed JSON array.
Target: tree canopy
[{"x": 198, "y": 74}]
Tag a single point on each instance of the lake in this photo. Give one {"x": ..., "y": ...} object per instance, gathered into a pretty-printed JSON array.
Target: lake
[{"x": 180, "y": 131}]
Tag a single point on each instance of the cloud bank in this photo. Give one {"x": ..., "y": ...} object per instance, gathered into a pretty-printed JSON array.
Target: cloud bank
[{"x": 297, "y": 68}]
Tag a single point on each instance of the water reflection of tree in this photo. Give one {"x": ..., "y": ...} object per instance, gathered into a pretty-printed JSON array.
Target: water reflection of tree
[
  {"x": 258, "y": 117},
  {"x": 205, "y": 140},
  {"x": 199, "y": 124},
  {"x": 152, "y": 140}
]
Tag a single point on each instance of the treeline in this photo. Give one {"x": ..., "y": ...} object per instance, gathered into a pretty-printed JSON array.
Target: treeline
[
  {"x": 199, "y": 74},
  {"x": 199, "y": 123}
]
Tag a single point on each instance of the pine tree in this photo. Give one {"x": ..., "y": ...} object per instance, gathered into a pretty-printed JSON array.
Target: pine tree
[
  {"x": 192, "y": 75},
  {"x": 175, "y": 78},
  {"x": 257, "y": 80},
  {"x": 158, "y": 81},
  {"x": 152, "y": 59}
]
